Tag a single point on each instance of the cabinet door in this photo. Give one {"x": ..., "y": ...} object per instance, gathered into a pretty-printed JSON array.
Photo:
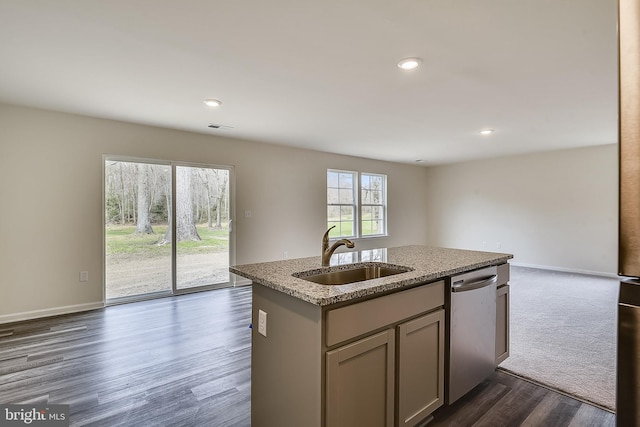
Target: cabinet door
[
  {"x": 360, "y": 382},
  {"x": 420, "y": 367},
  {"x": 502, "y": 324}
]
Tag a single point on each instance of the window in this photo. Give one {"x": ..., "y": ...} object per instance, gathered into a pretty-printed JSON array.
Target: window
[
  {"x": 342, "y": 203},
  {"x": 356, "y": 204},
  {"x": 373, "y": 204}
]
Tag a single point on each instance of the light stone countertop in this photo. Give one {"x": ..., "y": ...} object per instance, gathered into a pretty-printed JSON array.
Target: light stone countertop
[{"x": 428, "y": 264}]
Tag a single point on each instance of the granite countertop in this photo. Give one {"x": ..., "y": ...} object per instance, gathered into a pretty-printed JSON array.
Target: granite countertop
[{"x": 427, "y": 263}]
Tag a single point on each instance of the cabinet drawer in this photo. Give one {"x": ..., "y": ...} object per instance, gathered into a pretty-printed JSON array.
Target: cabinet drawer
[{"x": 357, "y": 319}]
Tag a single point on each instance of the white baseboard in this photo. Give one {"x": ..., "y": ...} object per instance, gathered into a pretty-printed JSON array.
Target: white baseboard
[
  {"x": 565, "y": 270},
  {"x": 47, "y": 312}
]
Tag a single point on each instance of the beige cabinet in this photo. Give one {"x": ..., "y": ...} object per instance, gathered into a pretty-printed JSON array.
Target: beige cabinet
[
  {"x": 502, "y": 313},
  {"x": 502, "y": 323},
  {"x": 420, "y": 367},
  {"x": 360, "y": 382},
  {"x": 373, "y": 362},
  {"x": 362, "y": 377}
]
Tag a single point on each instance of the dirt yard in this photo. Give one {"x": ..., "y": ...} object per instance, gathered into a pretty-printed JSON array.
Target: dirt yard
[{"x": 128, "y": 276}]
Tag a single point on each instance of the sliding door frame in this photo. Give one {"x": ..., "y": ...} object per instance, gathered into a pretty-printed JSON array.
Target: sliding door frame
[{"x": 174, "y": 289}]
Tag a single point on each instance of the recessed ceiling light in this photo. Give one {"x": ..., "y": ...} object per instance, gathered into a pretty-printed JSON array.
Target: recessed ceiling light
[
  {"x": 212, "y": 102},
  {"x": 486, "y": 131},
  {"x": 409, "y": 63}
]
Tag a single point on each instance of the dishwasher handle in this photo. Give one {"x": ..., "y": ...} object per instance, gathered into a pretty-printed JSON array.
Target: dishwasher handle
[{"x": 460, "y": 286}]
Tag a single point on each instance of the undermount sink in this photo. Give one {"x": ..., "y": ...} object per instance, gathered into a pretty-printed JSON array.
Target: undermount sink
[{"x": 352, "y": 275}]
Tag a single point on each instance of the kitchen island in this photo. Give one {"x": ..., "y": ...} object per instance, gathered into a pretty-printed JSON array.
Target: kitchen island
[{"x": 365, "y": 353}]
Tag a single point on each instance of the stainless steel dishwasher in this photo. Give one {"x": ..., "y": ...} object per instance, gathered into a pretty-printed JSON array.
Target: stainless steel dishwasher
[{"x": 472, "y": 330}]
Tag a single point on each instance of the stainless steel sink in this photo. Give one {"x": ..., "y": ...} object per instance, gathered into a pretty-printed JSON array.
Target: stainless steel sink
[{"x": 352, "y": 275}]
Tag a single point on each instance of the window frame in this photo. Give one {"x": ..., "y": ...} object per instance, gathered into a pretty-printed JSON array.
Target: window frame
[
  {"x": 358, "y": 205},
  {"x": 355, "y": 196},
  {"x": 382, "y": 205}
]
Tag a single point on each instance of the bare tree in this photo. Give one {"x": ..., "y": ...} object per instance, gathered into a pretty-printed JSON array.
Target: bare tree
[
  {"x": 205, "y": 176},
  {"x": 115, "y": 208},
  {"x": 121, "y": 176},
  {"x": 158, "y": 190},
  {"x": 129, "y": 186},
  {"x": 122, "y": 196},
  {"x": 185, "y": 220},
  {"x": 221, "y": 196},
  {"x": 213, "y": 190},
  {"x": 143, "y": 223}
]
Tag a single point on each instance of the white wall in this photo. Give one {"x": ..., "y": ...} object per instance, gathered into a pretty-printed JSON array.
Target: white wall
[
  {"x": 555, "y": 209},
  {"x": 51, "y": 195}
]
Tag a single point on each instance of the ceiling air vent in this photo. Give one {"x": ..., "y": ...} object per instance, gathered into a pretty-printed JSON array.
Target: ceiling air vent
[{"x": 218, "y": 126}]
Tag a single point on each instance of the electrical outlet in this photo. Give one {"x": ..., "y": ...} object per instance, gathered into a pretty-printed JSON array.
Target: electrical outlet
[
  {"x": 84, "y": 276},
  {"x": 247, "y": 214},
  {"x": 285, "y": 255},
  {"x": 262, "y": 323},
  {"x": 498, "y": 245}
]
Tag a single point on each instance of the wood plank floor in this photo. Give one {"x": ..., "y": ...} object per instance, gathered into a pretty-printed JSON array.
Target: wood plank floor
[
  {"x": 185, "y": 361},
  {"x": 505, "y": 400},
  {"x": 178, "y": 361}
]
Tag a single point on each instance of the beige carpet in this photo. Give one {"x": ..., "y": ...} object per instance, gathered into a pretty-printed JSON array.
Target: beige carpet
[{"x": 563, "y": 332}]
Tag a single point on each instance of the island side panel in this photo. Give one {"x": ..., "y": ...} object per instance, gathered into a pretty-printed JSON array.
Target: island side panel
[{"x": 286, "y": 379}]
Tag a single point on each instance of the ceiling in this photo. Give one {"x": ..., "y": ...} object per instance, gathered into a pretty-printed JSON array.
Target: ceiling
[{"x": 322, "y": 74}]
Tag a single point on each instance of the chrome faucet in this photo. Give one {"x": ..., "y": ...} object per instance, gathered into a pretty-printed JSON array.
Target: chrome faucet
[{"x": 328, "y": 251}]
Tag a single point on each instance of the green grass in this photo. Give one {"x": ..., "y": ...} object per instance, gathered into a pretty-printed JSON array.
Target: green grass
[
  {"x": 347, "y": 228},
  {"x": 121, "y": 240}
]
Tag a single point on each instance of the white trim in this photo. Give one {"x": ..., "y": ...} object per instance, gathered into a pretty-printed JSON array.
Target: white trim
[
  {"x": 47, "y": 312},
  {"x": 566, "y": 270}
]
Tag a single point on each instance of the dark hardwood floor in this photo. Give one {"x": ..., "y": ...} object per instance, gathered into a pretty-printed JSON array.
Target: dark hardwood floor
[
  {"x": 185, "y": 361},
  {"x": 178, "y": 361},
  {"x": 505, "y": 400}
]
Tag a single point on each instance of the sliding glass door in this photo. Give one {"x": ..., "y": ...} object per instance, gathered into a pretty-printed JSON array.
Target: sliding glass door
[
  {"x": 167, "y": 228},
  {"x": 202, "y": 226},
  {"x": 137, "y": 205}
]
